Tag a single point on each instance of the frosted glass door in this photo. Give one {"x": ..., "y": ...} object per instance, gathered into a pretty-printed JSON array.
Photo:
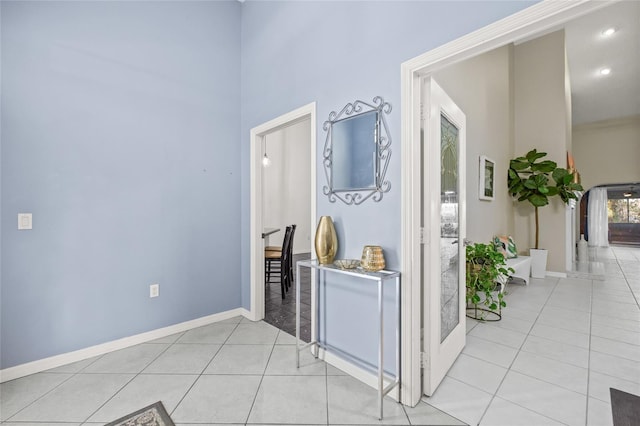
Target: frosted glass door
[
  {"x": 443, "y": 217},
  {"x": 449, "y": 219}
]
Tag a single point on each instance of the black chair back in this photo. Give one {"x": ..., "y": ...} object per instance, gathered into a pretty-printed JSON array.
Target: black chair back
[
  {"x": 285, "y": 261},
  {"x": 287, "y": 258}
]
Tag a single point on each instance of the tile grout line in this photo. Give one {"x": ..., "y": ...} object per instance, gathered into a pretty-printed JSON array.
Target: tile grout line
[
  {"x": 262, "y": 377},
  {"x": 72, "y": 375},
  {"x": 515, "y": 357},
  {"x": 128, "y": 381},
  {"x": 590, "y": 336},
  {"x": 617, "y": 261},
  {"x": 527, "y": 375},
  {"x": 511, "y": 402},
  {"x": 617, "y": 341},
  {"x": 404, "y": 410},
  {"x": 436, "y": 408},
  {"x": 200, "y": 375},
  {"x": 561, "y": 328},
  {"x": 326, "y": 381},
  {"x": 624, "y": 274},
  {"x": 586, "y": 414}
]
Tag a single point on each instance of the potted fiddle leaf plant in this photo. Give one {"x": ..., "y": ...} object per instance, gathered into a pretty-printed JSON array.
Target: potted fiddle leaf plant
[
  {"x": 535, "y": 181},
  {"x": 486, "y": 272}
]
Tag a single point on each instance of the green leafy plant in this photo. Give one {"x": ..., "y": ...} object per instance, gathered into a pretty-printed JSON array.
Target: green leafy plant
[
  {"x": 485, "y": 266},
  {"x": 536, "y": 181}
]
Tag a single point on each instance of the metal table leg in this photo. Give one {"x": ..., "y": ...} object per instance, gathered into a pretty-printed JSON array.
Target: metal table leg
[
  {"x": 320, "y": 276},
  {"x": 317, "y": 314},
  {"x": 398, "y": 350},
  {"x": 297, "y": 316},
  {"x": 380, "y": 350}
]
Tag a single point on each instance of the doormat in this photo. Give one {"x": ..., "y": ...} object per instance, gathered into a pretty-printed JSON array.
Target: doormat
[
  {"x": 153, "y": 415},
  {"x": 625, "y": 407}
]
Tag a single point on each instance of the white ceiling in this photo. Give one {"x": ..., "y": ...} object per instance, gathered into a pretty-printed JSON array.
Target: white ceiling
[{"x": 596, "y": 97}]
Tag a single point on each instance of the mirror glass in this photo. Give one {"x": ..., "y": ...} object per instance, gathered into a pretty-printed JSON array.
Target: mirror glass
[{"x": 354, "y": 152}]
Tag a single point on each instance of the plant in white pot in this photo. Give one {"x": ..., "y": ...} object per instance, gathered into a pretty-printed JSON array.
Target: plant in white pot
[{"x": 534, "y": 180}]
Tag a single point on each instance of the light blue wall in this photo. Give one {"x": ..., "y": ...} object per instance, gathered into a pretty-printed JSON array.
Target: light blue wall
[
  {"x": 294, "y": 53},
  {"x": 120, "y": 133},
  {"x": 1, "y": 187}
]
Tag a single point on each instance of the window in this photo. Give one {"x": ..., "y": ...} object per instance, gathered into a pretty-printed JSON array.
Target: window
[{"x": 626, "y": 210}]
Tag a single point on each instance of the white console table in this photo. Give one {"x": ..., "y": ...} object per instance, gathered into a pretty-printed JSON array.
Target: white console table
[{"x": 379, "y": 277}]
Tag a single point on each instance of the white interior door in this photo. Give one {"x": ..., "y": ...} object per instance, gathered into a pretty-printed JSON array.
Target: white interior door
[{"x": 443, "y": 220}]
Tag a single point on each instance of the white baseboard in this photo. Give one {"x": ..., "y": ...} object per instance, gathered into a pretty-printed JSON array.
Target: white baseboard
[
  {"x": 103, "y": 348},
  {"x": 556, "y": 274},
  {"x": 245, "y": 313},
  {"x": 365, "y": 376}
]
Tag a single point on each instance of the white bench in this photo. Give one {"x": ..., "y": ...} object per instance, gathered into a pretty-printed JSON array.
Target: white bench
[{"x": 521, "y": 266}]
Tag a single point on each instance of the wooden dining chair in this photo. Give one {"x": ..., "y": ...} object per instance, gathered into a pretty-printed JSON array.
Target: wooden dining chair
[{"x": 279, "y": 261}]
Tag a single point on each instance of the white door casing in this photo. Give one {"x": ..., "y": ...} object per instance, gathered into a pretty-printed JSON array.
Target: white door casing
[
  {"x": 307, "y": 112},
  {"x": 443, "y": 247}
]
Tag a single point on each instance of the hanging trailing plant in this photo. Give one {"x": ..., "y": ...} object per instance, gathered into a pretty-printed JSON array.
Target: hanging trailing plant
[{"x": 485, "y": 267}]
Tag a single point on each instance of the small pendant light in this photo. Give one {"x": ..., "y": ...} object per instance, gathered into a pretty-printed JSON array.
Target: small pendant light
[{"x": 266, "y": 162}]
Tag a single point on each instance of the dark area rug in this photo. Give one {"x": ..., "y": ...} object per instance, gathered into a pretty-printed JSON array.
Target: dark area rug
[
  {"x": 625, "y": 407},
  {"x": 153, "y": 415}
]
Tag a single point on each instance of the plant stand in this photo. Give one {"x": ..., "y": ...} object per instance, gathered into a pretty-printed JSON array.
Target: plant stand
[
  {"x": 476, "y": 313},
  {"x": 486, "y": 275}
]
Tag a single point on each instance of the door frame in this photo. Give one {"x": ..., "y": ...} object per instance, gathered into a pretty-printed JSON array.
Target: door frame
[
  {"x": 530, "y": 22},
  {"x": 256, "y": 262}
]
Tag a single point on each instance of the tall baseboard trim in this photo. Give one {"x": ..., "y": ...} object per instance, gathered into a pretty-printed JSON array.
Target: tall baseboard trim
[
  {"x": 556, "y": 274},
  {"x": 44, "y": 364},
  {"x": 365, "y": 376}
]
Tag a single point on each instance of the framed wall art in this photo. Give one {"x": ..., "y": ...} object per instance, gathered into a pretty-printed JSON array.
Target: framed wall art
[{"x": 487, "y": 178}]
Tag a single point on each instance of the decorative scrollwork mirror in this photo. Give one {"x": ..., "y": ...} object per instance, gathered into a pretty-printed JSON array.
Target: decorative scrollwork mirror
[{"x": 356, "y": 152}]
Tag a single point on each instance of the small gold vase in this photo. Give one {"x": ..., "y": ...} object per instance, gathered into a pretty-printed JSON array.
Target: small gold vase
[
  {"x": 576, "y": 177},
  {"x": 326, "y": 241},
  {"x": 372, "y": 258}
]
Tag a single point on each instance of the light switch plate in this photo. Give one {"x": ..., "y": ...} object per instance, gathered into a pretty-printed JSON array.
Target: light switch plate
[
  {"x": 154, "y": 290},
  {"x": 25, "y": 221}
]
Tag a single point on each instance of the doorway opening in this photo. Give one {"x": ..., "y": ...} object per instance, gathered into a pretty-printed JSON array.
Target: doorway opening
[
  {"x": 286, "y": 202},
  {"x": 538, "y": 19},
  {"x": 623, "y": 214},
  {"x": 289, "y": 143}
]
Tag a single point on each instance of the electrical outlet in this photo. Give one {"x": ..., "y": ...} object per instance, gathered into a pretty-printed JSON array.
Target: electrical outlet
[
  {"x": 154, "y": 290},
  {"x": 25, "y": 221}
]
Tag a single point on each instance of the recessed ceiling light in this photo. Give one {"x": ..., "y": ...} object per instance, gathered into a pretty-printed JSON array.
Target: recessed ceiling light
[
  {"x": 627, "y": 194},
  {"x": 608, "y": 32},
  {"x": 605, "y": 71}
]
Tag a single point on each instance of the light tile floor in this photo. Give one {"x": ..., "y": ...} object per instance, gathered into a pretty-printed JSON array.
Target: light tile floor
[
  {"x": 562, "y": 343},
  {"x": 551, "y": 360},
  {"x": 231, "y": 372}
]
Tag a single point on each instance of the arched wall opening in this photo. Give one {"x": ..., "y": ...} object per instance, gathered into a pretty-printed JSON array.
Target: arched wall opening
[{"x": 623, "y": 208}]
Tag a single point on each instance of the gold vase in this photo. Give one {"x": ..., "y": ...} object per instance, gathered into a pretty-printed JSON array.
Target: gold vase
[
  {"x": 326, "y": 240},
  {"x": 372, "y": 258}
]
